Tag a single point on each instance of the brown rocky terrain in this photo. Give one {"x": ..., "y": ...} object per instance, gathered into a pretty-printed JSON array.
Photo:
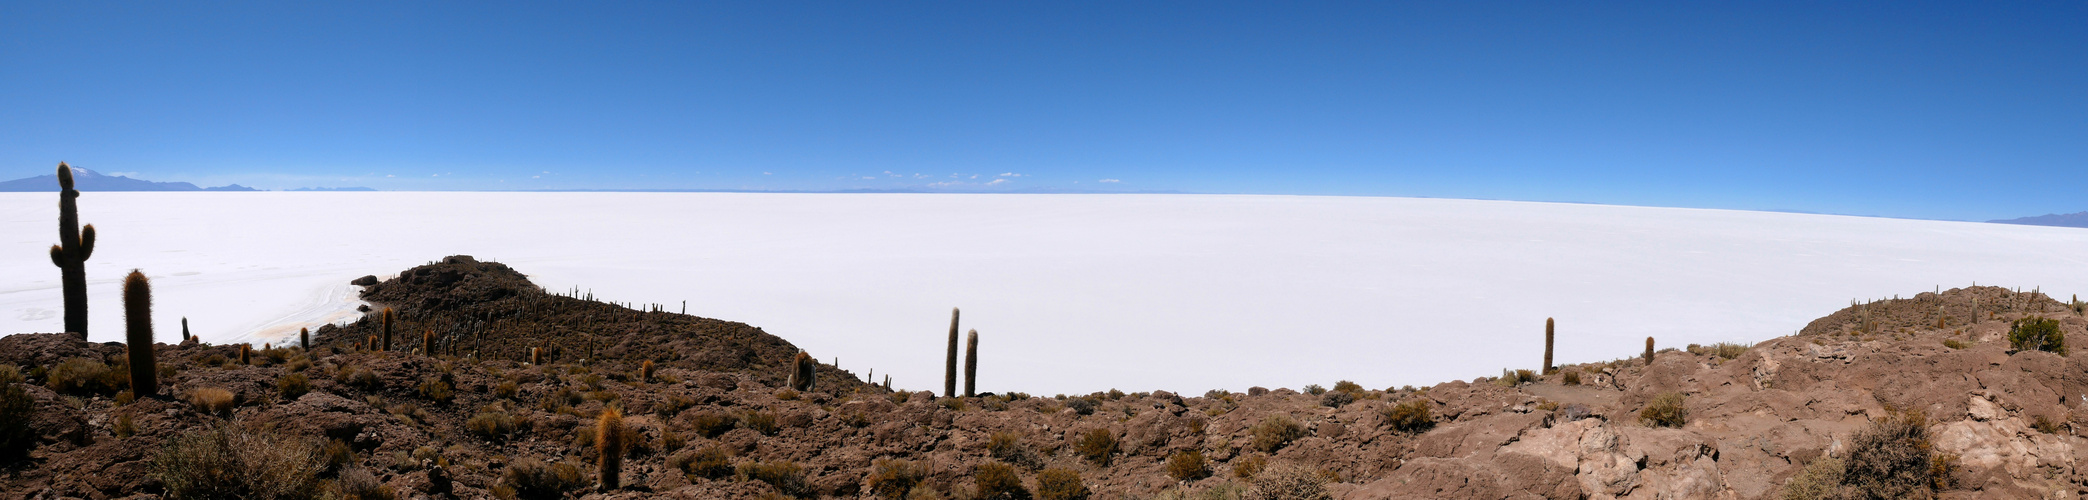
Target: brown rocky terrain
[{"x": 476, "y": 419}]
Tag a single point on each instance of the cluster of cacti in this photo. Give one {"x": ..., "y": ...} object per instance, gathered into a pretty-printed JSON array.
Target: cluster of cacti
[
  {"x": 1649, "y": 350},
  {"x": 137, "y": 322},
  {"x": 801, "y": 371},
  {"x": 387, "y": 328},
  {"x": 971, "y": 364},
  {"x": 609, "y": 443},
  {"x": 75, "y": 245},
  {"x": 1547, "y": 346},
  {"x": 950, "y": 363}
]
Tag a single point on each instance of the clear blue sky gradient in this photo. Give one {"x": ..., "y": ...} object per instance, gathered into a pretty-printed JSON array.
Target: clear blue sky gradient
[{"x": 1972, "y": 110}]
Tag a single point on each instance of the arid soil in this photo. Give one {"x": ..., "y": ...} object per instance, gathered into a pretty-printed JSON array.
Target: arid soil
[{"x": 715, "y": 420}]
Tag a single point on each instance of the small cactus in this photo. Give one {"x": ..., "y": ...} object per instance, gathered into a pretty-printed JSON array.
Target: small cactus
[
  {"x": 950, "y": 363},
  {"x": 387, "y": 328},
  {"x": 75, "y": 245},
  {"x": 245, "y": 351},
  {"x": 137, "y": 322},
  {"x": 184, "y": 329},
  {"x": 304, "y": 339},
  {"x": 1548, "y": 346},
  {"x": 645, "y": 371},
  {"x": 971, "y": 364},
  {"x": 801, "y": 370},
  {"x": 609, "y": 442},
  {"x": 371, "y": 345},
  {"x": 428, "y": 343},
  {"x": 1649, "y": 350},
  {"x": 536, "y": 356}
]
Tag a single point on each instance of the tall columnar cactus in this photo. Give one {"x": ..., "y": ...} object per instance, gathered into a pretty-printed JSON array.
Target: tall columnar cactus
[
  {"x": 1547, "y": 345},
  {"x": 536, "y": 356},
  {"x": 428, "y": 343},
  {"x": 137, "y": 323},
  {"x": 75, "y": 245},
  {"x": 1649, "y": 350},
  {"x": 801, "y": 371},
  {"x": 950, "y": 362},
  {"x": 387, "y": 328},
  {"x": 645, "y": 371},
  {"x": 971, "y": 364},
  {"x": 304, "y": 339},
  {"x": 609, "y": 442},
  {"x": 184, "y": 329},
  {"x": 245, "y": 354}
]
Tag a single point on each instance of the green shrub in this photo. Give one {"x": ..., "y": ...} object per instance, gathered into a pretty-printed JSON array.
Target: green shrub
[
  {"x": 1059, "y": 483},
  {"x": 2037, "y": 333},
  {"x": 1188, "y": 465},
  {"x": 892, "y": 479},
  {"x": 786, "y": 476},
  {"x": 1098, "y": 446},
  {"x": 1410, "y": 417},
  {"x": 293, "y": 385},
  {"x": 535, "y": 480},
  {"x": 85, "y": 377},
  {"x": 1275, "y": 432},
  {"x": 998, "y": 481},
  {"x": 236, "y": 462},
  {"x": 1665, "y": 410}
]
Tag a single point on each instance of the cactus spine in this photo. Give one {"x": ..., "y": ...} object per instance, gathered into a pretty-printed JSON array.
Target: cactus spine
[
  {"x": 304, "y": 339},
  {"x": 387, "y": 328},
  {"x": 137, "y": 323},
  {"x": 950, "y": 362},
  {"x": 1547, "y": 346},
  {"x": 609, "y": 441},
  {"x": 645, "y": 371},
  {"x": 75, "y": 245},
  {"x": 1649, "y": 350},
  {"x": 801, "y": 371},
  {"x": 971, "y": 363}
]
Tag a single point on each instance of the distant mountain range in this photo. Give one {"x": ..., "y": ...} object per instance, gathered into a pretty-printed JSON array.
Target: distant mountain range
[
  {"x": 2076, "y": 219},
  {"x": 89, "y": 180}
]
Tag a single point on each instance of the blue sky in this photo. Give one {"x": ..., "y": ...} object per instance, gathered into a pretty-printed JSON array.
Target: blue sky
[{"x": 1952, "y": 111}]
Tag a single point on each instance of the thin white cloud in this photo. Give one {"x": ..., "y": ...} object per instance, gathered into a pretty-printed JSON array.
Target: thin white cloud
[
  {"x": 124, "y": 174},
  {"x": 1109, "y": 180},
  {"x": 869, "y": 177},
  {"x": 997, "y": 181},
  {"x": 766, "y": 173},
  {"x": 1010, "y": 174}
]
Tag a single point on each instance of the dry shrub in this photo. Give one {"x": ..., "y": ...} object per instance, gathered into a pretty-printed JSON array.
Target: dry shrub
[
  {"x": 213, "y": 401},
  {"x": 1289, "y": 482},
  {"x": 1409, "y": 417},
  {"x": 1337, "y": 399},
  {"x": 435, "y": 389},
  {"x": 710, "y": 424},
  {"x": 1665, "y": 410},
  {"x": 16, "y": 408},
  {"x": 359, "y": 484},
  {"x": 1955, "y": 344},
  {"x": 1098, "y": 446},
  {"x": 1249, "y": 466},
  {"x": 1570, "y": 377},
  {"x": 1188, "y": 465},
  {"x": 233, "y": 461},
  {"x": 2045, "y": 424},
  {"x": 998, "y": 481},
  {"x": 1058, "y": 483},
  {"x": 1275, "y": 432},
  {"x": 1820, "y": 480},
  {"x": 1007, "y": 446},
  {"x": 125, "y": 426},
  {"x": 709, "y": 462},
  {"x": 507, "y": 390},
  {"x": 1081, "y": 406},
  {"x": 293, "y": 385},
  {"x": 1893, "y": 458},
  {"x": 788, "y": 395},
  {"x": 760, "y": 421},
  {"x": 494, "y": 424},
  {"x": 785, "y": 475},
  {"x": 10, "y": 374},
  {"x": 82, "y": 376},
  {"x": 531, "y": 479},
  {"x": 892, "y": 479}
]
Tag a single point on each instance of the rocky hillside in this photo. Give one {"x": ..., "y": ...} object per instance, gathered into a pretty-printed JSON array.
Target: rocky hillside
[{"x": 1921, "y": 397}]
